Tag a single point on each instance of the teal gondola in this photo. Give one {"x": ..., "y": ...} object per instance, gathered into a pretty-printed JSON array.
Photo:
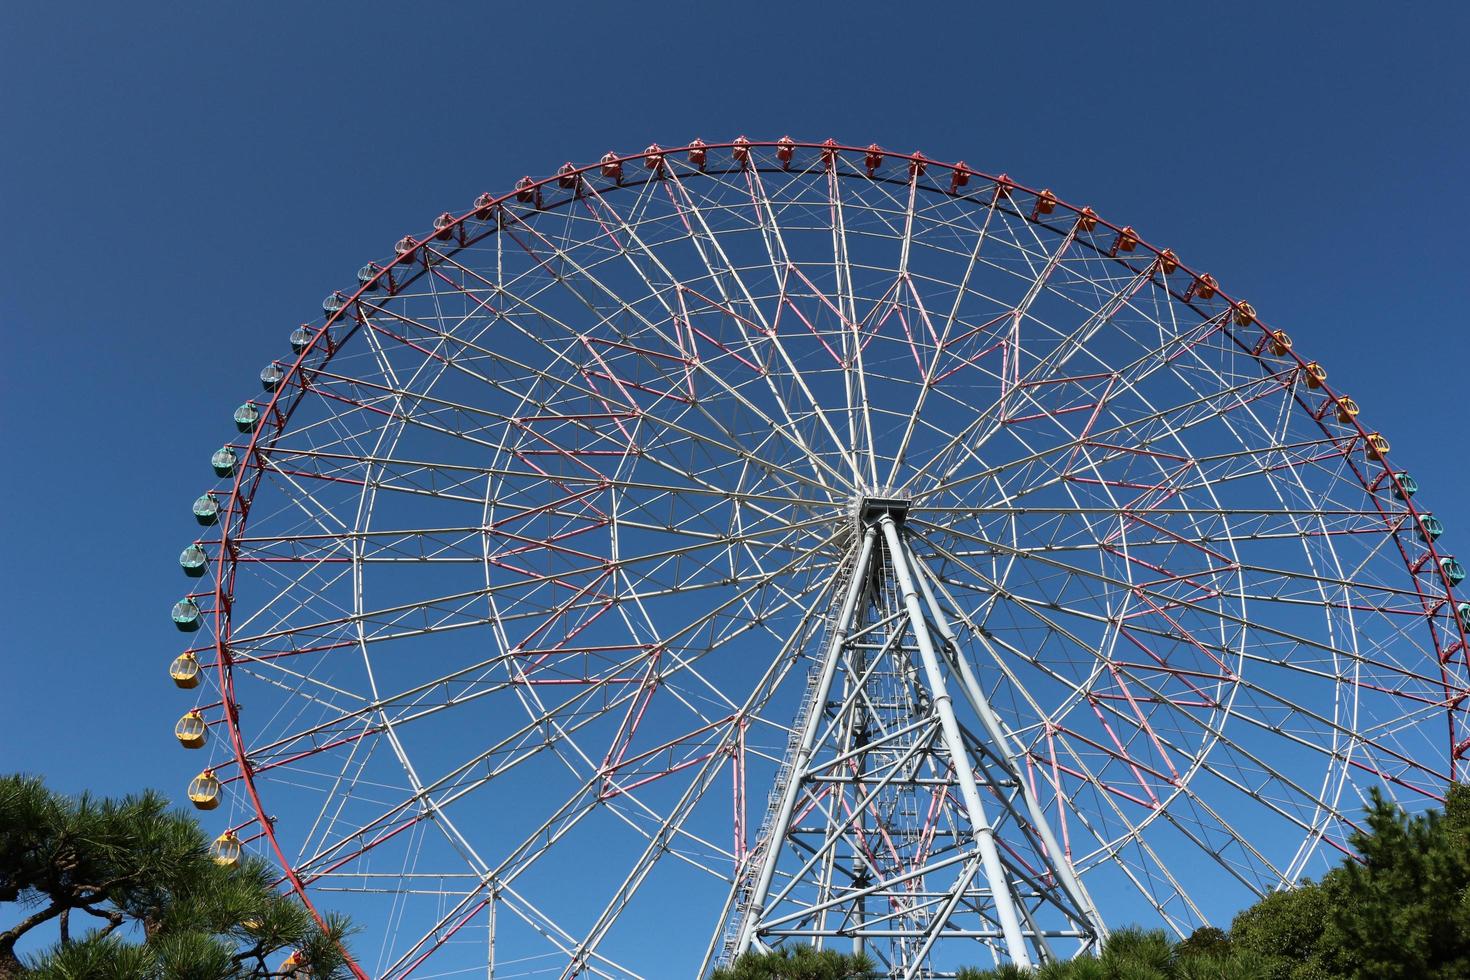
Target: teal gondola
[
  {"x": 247, "y": 417},
  {"x": 1453, "y": 571},
  {"x": 223, "y": 461},
  {"x": 194, "y": 561},
  {"x": 206, "y": 510},
  {"x": 186, "y": 615}
]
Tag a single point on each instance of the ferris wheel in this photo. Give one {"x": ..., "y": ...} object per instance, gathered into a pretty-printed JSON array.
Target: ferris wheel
[{"x": 758, "y": 543}]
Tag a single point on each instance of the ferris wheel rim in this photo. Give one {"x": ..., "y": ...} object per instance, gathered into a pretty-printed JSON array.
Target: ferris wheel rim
[{"x": 277, "y": 410}]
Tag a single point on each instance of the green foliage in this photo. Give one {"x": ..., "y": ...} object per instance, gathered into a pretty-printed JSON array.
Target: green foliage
[
  {"x": 96, "y": 958},
  {"x": 141, "y": 876},
  {"x": 1401, "y": 913},
  {"x": 1233, "y": 965},
  {"x": 1133, "y": 954},
  {"x": 1006, "y": 971},
  {"x": 1081, "y": 968},
  {"x": 797, "y": 963},
  {"x": 1285, "y": 930},
  {"x": 1129, "y": 954},
  {"x": 1404, "y": 911},
  {"x": 1204, "y": 941}
]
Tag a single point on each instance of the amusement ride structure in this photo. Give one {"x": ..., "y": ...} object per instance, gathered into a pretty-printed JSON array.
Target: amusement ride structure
[{"x": 759, "y": 543}]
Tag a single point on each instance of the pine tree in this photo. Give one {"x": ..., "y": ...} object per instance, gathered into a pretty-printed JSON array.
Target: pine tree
[
  {"x": 127, "y": 888},
  {"x": 796, "y": 963},
  {"x": 1404, "y": 910}
]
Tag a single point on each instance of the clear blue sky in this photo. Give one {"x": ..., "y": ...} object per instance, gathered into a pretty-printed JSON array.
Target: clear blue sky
[{"x": 180, "y": 185}]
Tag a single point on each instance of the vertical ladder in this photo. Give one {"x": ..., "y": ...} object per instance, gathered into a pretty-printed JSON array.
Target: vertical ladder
[{"x": 735, "y": 924}]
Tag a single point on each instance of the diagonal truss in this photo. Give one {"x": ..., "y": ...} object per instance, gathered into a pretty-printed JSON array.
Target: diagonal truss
[{"x": 903, "y": 813}]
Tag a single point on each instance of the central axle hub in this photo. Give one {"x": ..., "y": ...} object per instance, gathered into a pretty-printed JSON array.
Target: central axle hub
[{"x": 869, "y": 508}]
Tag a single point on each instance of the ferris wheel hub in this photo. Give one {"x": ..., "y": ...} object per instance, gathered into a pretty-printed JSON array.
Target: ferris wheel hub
[{"x": 869, "y": 508}]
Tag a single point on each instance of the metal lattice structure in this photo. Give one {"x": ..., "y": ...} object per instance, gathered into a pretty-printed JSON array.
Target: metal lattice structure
[{"x": 765, "y": 543}]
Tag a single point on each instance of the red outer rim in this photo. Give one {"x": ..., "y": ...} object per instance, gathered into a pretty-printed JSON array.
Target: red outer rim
[{"x": 276, "y": 413}]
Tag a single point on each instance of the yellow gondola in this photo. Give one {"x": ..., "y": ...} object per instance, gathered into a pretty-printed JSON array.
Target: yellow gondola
[
  {"x": 185, "y": 670},
  {"x": 204, "y": 790},
  {"x": 191, "y": 731},
  {"x": 226, "y": 848}
]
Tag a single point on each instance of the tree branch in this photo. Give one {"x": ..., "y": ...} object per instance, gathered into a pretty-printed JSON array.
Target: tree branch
[
  {"x": 114, "y": 919},
  {"x": 9, "y": 937}
]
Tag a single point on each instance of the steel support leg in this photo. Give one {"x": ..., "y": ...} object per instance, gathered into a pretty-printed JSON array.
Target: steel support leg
[
  {"x": 856, "y": 583},
  {"x": 980, "y": 828},
  {"x": 970, "y": 685}
]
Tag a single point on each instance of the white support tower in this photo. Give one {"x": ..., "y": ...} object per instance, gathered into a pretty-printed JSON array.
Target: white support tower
[{"x": 905, "y": 816}]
